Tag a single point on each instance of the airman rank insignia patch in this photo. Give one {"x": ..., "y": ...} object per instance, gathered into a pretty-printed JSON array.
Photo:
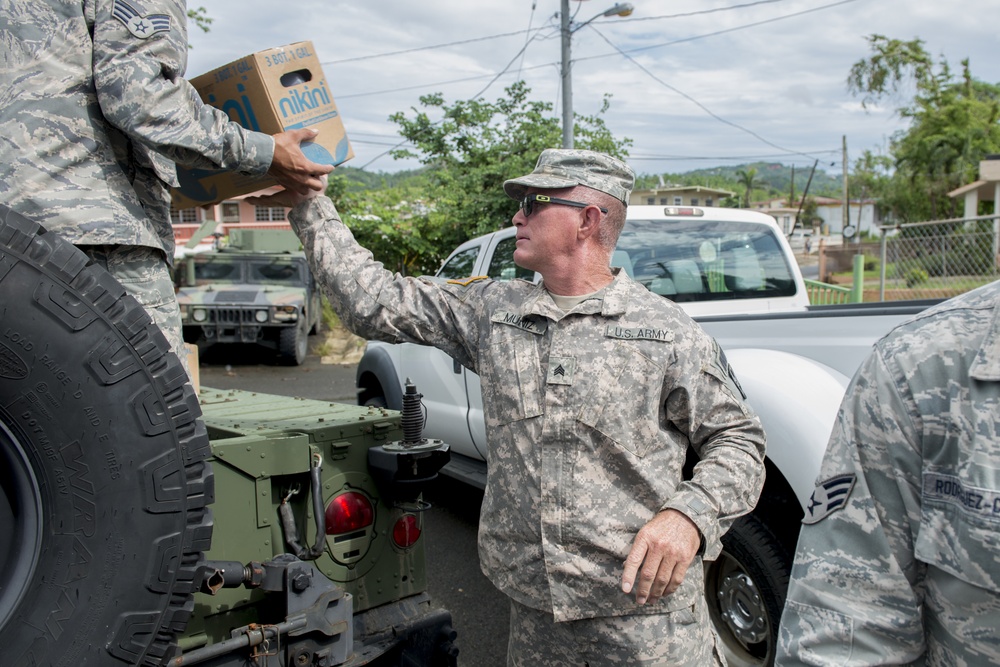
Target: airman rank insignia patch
[
  {"x": 828, "y": 497},
  {"x": 140, "y": 26}
]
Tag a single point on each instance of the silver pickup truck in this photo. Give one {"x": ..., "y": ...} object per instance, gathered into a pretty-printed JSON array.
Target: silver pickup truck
[{"x": 734, "y": 272}]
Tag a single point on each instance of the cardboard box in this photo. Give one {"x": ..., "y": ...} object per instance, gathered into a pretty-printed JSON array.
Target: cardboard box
[{"x": 269, "y": 91}]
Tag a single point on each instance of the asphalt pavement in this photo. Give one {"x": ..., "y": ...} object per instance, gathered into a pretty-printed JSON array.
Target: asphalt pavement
[{"x": 455, "y": 582}]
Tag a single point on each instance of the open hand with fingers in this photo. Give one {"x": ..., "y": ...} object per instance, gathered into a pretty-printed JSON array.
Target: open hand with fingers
[{"x": 661, "y": 554}]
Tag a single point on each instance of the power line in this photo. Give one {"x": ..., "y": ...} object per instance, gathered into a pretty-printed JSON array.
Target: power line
[{"x": 486, "y": 38}]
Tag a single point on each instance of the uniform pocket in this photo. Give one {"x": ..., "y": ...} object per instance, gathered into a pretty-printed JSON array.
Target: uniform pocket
[
  {"x": 515, "y": 376},
  {"x": 804, "y": 628},
  {"x": 960, "y": 529},
  {"x": 632, "y": 421}
]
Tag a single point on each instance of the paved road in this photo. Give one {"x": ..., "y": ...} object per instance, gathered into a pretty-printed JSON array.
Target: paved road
[{"x": 479, "y": 611}]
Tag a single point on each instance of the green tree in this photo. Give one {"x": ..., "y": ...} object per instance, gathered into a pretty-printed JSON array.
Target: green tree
[
  {"x": 953, "y": 124},
  {"x": 476, "y": 145},
  {"x": 392, "y": 222},
  {"x": 748, "y": 179}
]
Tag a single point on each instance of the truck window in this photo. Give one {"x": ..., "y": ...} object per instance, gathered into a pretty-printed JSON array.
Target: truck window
[
  {"x": 216, "y": 269},
  {"x": 460, "y": 265},
  {"x": 502, "y": 266},
  {"x": 276, "y": 272},
  {"x": 706, "y": 260}
]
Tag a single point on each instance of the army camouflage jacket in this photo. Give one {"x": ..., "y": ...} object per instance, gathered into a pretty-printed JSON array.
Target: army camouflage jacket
[
  {"x": 94, "y": 113},
  {"x": 898, "y": 561},
  {"x": 589, "y": 415}
]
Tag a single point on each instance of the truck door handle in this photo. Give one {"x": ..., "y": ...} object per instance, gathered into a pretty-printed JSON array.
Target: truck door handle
[{"x": 457, "y": 367}]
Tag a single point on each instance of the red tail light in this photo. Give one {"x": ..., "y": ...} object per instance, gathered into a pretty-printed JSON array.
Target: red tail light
[
  {"x": 349, "y": 512},
  {"x": 406, "y": 532}
]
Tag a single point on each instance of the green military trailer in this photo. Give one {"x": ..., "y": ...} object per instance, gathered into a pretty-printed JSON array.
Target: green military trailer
[
  {"x": 145, "y": 525},
  {"x": 257, "y": 288}
]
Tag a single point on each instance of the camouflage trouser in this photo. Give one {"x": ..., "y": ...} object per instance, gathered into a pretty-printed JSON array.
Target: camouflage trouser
[
  {"x": 144, "y": 274},
  {"x": 683, "y": 638}
]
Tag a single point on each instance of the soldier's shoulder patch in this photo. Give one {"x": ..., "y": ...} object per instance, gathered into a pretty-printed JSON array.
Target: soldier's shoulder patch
[
  {"x": 141, "y": 26},
  {"x": 465, "y": 282},
  {"x": 829, "y": 496}
]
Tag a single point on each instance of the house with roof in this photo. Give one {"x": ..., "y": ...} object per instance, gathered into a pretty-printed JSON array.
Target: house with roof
[
  {"x": 679, "y": 195},
  {"x": 986, "y": 188}
]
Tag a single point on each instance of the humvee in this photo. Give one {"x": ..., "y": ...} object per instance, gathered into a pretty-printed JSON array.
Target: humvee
[
  {"x": 113, "y": 551},
  {"x": 255, "y": 289}
]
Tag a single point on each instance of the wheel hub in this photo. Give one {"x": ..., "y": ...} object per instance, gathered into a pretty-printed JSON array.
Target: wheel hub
[
  {"x": 742, "y": 608},
  {"x": 20, "y": 519}
]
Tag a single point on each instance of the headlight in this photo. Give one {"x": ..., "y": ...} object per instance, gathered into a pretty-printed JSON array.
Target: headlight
[
  {"x": 260, "y": 316},
  {"x": 286, "y": 313},
  {"x": 199, "y": 314}
]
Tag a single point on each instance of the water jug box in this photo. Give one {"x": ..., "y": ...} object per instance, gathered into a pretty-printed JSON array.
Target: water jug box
[{"x": 269, "y": 91}]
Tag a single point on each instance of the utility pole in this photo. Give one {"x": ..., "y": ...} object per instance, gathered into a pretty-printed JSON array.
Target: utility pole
[
  {"x": 567, "y": 77},
  {"x": 847, "y": 202}
]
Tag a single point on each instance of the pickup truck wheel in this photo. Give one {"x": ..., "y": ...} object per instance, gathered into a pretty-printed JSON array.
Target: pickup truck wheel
[
  {"x": 104, "y": 484},
  {"x": 293, "y": 343},
  {"x": 745, "y": 588}
]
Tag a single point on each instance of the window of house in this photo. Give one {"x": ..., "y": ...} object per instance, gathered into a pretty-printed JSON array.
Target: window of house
[
  {"x": 651, "y": 200},
  {"x": 663, "y": 201},
  {"x": 678, "y": 201},
  {"x": 230, "y": 211},
  {"x": 269, "y": 213},
  {"x": 708, "y": 201},
  {"x": 187, "y": 215},
  {"x": 694, "y": 201}
]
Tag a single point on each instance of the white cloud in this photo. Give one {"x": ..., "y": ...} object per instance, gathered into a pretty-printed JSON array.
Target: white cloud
[{"x": 784, "y": 80}]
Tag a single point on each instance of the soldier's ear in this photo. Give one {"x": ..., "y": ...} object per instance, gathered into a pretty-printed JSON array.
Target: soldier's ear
[{"x": 591, "y": 222}]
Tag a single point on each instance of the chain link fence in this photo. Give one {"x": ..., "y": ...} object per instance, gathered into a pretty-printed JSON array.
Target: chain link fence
[{"x": 925, "y": 260}]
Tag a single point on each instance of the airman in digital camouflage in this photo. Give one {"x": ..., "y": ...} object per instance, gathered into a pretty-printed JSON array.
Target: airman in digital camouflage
[
  {"x": 593, "y": 390},
  {"x": 898, "y": 561},
  {"x": 94, "y": 114}
]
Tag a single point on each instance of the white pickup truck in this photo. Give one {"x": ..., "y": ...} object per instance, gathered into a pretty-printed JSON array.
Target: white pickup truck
[{"x": 734, "y": 272}]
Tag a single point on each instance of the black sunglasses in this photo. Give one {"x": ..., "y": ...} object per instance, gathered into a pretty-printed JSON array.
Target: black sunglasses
[{"x": 528, "y": 203}]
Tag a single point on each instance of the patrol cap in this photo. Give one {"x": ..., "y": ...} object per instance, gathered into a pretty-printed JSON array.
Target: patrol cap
[{"x": 566, "y": 167}]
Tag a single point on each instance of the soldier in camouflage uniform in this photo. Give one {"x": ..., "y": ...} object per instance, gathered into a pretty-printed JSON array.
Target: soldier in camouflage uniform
[
  {"x": 593, "y": 389},
  {"x": 94, "y": 112},
  {"x": 898, "y": 561}
]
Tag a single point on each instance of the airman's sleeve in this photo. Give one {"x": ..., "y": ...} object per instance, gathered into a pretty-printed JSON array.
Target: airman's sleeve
[
  {"x": 140, "y": 54},
  {"x": 854, "y": 596}
]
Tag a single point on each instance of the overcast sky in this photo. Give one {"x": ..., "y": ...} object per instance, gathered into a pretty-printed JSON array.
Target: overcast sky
[{"x": 701, "y": 83}]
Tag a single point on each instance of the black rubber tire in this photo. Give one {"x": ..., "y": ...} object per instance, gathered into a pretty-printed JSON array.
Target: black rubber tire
[
  {"x": 745, "y": 588},
  {"x": 105, "y": 485},
  {"x": 293, "y": 343}
]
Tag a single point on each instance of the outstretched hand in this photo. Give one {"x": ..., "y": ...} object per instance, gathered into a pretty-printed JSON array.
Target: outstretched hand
[
  {"x": 290, "y": 166},
  {"x": 664, "y": 548},
  {"x": 288, "y": 198}
]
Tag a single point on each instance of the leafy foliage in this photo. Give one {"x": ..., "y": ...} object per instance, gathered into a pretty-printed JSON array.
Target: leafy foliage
[
  {"x": 953, "y": 125},
  {"x": 475, "y": 145}
]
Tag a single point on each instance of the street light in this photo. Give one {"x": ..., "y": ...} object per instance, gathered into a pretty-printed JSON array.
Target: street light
[{"x": 620, "y": 9}]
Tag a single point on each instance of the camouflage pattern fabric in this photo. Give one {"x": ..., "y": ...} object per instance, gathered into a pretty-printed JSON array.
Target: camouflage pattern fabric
[
  {"x": 94, "y": 112},
  {"x": 589, "y": 415},
  {"x": 899, "y": 559},
  {"x": 677, "y": 639}
]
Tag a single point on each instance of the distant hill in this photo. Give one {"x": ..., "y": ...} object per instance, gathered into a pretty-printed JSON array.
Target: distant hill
[{"x": 774, "y": 179}]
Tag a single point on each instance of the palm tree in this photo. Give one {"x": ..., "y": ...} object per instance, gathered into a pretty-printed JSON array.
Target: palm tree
[{"x": 748, "y": 179}]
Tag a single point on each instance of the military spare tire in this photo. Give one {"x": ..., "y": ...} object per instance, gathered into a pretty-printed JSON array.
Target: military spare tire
[{"x": 103, "y": 514}]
